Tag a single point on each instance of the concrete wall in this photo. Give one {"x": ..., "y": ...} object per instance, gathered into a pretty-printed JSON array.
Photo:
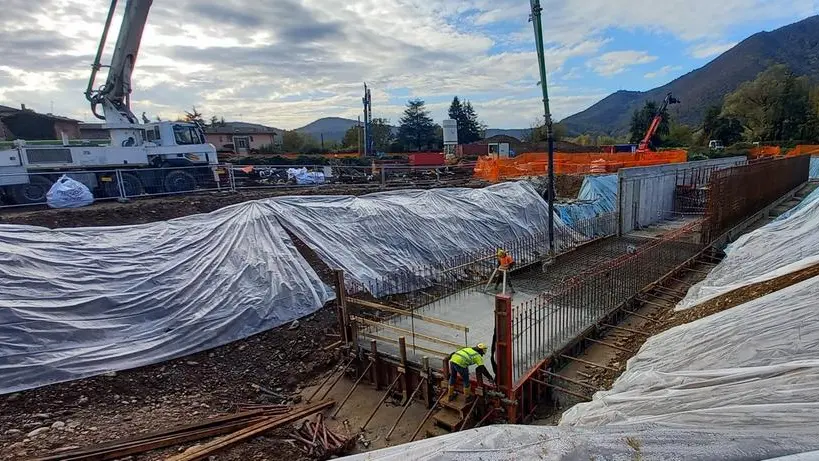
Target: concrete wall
[{"x": 646, "y": 194}]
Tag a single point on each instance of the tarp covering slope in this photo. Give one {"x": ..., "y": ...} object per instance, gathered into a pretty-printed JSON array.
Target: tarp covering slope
[
  {"x": 378, "y": 234},
  {"x": 776, "y": 249},
  {"x": 752, "y": 366},
  {"x": 79, "y": 302},
  {"x": 814, "y": 167},
  {"x": 616, "y": 443},
  {"x": 597, "y": 196}
]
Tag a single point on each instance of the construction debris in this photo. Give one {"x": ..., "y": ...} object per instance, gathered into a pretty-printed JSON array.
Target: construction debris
[
  {"x": 319, "y": 442},
  {"x": 261, "y": 426}
]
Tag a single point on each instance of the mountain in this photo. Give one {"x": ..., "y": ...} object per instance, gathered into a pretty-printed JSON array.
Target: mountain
[
  {"x": 795, "y": 45},
  {"x": 332, "y": 128},
  {"x": 519, "y": 133}
]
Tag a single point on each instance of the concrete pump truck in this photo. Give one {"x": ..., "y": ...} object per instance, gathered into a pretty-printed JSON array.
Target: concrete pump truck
[{"x": 160, "y": 157}]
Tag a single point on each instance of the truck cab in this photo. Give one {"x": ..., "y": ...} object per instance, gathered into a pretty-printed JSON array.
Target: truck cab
[{"x": 716, "y": 145}]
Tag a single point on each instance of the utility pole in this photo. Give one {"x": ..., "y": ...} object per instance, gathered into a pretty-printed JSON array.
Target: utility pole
[{"x": 547, "y": 118}]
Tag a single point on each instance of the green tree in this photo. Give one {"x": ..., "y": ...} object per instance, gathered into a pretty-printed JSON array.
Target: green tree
[
  {"x": 292, "y": 141},
  {"x": 715, "y": 126},
  {"x": 470, "y": 128},
  {"x": 352, "y": 137},
  {"x": 679, "y": 136},
  {"x": 194, "y": 116},
  {"x": 537, "y": 132},
  {"x": 382, "y": 134},
  {"x": 416, "y": 130},
  {"x": 775, "y": 106},
  {"x": 641, "y": 120}
]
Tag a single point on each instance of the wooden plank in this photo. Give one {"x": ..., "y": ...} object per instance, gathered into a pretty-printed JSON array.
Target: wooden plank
[
  {"x": 393, "y": 310},
  {"x": 395, "y": 341},
  {"x": 431, "y": 339},
  {"x": 586, "y": 362},
  {"x": 207, "y": 449},
  {"x": 608, "y": 325}
]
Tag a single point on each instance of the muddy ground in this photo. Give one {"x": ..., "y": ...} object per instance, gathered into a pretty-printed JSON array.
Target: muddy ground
[{"x": 193, "y": 388}]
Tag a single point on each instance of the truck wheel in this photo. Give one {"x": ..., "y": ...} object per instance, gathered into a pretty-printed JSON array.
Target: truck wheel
[
  {"x": 130, "y": 182},
  {"x": 179, "y": 181},
  {"x": 33, "y": 192}
]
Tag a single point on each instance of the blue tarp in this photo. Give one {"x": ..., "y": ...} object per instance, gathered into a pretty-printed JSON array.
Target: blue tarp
[
  {"x": 814, "y": 168},
  {"x": 598, "y": 196}
]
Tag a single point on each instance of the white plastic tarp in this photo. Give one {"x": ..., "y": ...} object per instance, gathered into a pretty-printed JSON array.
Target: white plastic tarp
[
  {"x": 776, "y": 249},
  {"x": 80, "y": 302},
  {"x": 751, "y": 366},
  {"x": 615, "y": 443},
  {"x": 814, "y": 167},
  {"x": 378, "y": 234}
]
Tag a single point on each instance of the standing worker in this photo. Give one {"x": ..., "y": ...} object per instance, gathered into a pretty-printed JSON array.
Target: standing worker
[
  {"x": 459, "y": 363},
  {"x": 505, "y": 264}
]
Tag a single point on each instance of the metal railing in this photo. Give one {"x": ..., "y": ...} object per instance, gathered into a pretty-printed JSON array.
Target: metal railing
[{"x": 544, "y": 325}]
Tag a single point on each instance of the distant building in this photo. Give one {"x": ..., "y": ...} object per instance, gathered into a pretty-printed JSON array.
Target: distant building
[
  {"x": 26, "y": 124},
  {"x": 241, "y": 137},
  {"x": 94, "y": 131}
]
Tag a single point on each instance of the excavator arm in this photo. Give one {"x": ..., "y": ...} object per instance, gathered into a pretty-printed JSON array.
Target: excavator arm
[
  {"x": 115, "y": 95},
  {"x": 655, "y": 123}
]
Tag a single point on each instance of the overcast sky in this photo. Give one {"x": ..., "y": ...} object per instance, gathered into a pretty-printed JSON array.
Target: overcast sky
[{"x": 286, "y": 63}]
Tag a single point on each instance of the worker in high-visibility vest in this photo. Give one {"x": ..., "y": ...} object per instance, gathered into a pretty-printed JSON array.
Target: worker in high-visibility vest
[
  {"x": 505, "y": 264},
  {"x": 459, "y": 363}
]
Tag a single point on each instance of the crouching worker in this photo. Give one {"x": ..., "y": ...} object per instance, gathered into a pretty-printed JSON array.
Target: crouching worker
[{"x": 459, "y": 363}]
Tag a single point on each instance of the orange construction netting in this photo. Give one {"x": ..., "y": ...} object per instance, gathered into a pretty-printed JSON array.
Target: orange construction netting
[
  {"x": 765, "y": 151},
  {"x": 804, "y": 149},
  {"x": 536, "y": 163}
]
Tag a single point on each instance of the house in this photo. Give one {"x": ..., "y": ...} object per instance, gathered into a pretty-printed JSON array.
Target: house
[
  {"x": 241, "y": 137},
  {"x": 94, "y": 131},
  {"x": 26, "y": 124}
]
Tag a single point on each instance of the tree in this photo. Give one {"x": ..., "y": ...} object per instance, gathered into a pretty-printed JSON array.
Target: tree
[
  {"x": 382, "y": 134},
  {"x": 292, "y": 141},
  {"x": 352, "y": 137},
  {"x": 715, "y": 126},
  {"x": 469, "y": 127},
  {"x": 775, "y": 106},
  {"x": 194, "y": 116},
  {"x": 641, "y": 120},
  {"x": 416, "y": 130},
  {"x": 537, "y": 132},
  {"x": 680, "y": 136}
]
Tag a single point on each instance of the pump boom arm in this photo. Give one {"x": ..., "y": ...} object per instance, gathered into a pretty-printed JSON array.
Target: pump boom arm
[{"x": 115, "y": 95}]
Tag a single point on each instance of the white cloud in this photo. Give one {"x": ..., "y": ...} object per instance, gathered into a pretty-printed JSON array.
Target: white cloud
[
  {"x": 616, "y": 62},
  {"x": 708, "y": 50},
  {"x": 663, "y": 71}
]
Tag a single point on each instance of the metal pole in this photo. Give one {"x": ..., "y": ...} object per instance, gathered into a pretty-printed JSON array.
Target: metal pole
[{"x": 547, "y": 119}]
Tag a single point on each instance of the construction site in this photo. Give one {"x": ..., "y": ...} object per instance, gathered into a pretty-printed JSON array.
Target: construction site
[{"x": 610, "y": 305}]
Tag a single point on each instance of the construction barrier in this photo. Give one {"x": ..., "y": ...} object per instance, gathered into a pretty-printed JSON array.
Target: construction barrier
[
  {"x": 764, "y": 151},
  {"x": 804, "y": 149},
  {"x": 536, "y": 163}
]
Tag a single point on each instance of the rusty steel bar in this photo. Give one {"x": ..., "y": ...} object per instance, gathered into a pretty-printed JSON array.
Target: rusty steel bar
[
  {"x": 641, "y": 316},
  {"x": 586, "y": 362},
  {"x": 561, "y": 389},
  {"x": 570, "y": 380},
  {"x": 613, "y": 346},
  {"x": 381, "y": 402},
  {"x": 615, "y": 327},
  {"x": 405, "y": 408},
  {"x": 352, "y": 389},
  {"x": 338, "y": 378}
]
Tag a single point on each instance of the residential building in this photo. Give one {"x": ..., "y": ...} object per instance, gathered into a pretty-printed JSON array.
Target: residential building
[
  {"x": 241, "y": 137},
  {"x": 26, "y": 124}
]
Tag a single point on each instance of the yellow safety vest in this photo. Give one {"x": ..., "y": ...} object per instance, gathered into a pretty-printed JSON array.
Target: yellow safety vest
[{"x": 466, "y": 357}]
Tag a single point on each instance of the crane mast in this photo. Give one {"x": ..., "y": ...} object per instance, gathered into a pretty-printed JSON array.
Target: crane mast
[
  {"x": 655, "y": 123},
  {"x": 115, "y": 95}
]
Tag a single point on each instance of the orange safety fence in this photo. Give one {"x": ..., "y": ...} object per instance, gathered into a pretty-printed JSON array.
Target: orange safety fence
[
  {"x": 765, "y": 151},
  {"x": 536, "y": 163},
  {"x": 804, "y": 149}
]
